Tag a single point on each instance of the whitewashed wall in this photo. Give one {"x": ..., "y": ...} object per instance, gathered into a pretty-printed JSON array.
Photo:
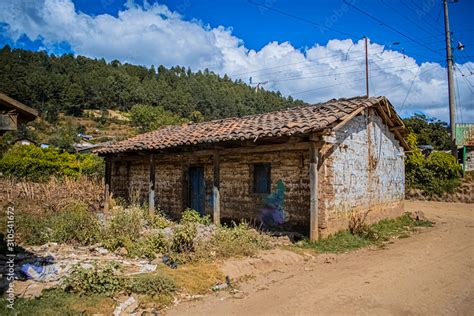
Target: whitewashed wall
[{"x": 368, "y": 167}]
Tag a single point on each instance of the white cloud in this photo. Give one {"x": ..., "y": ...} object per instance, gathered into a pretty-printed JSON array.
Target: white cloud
[{"x": 152, "y": 34}]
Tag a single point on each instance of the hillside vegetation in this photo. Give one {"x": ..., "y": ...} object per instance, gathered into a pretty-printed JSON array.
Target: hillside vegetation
[{"x": 71, "y": 84}]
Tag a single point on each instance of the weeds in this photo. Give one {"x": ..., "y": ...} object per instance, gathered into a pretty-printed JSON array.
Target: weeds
[
  {"x": 58, "y": 302},
  {"x": 361, "y": 235},
  {"x": 122, "y": 228},
  {"x": 94, "y": 280},
  {"x": 73, "y": 225},
  {"x": 153, "y": 285}
]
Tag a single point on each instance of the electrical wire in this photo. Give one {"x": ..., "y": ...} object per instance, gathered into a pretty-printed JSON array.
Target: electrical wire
[
  {"x": 404, "y": 16},
  {"x": 388, "y": 26},
  {"x": 301, "y": 19}
]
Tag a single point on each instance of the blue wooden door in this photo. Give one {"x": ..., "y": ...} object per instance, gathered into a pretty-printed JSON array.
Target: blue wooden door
[{"x": 196, "y": 189}]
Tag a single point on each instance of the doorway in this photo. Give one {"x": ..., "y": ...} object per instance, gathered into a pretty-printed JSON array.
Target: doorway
[{"x": 196, "y": 190}]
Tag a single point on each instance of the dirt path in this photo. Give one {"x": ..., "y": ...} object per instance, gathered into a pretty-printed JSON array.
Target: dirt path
[{"x": 429, "y": 273}]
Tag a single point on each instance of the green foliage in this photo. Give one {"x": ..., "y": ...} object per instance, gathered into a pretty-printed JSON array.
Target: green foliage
[
  {"x": 339, "y": 242},
  {"x": 64, "y": 138},
  {"x": 58, "y": 302},
  {"x": 32, "y": 229},
  {"x": 147, "y": 117},
  {"x": 183, "y": 238},
  {"x": 39, "y": 164},
  {"x": 122, "y": 228},
  {"x": 429, "y": 131},
  {"x": 95, "y": 280},
  {"x": 375, "y": 234},
  {"x": 73, "y": 83},
  {"x": 239, "y": 240},
  {"x": 438, "y": 173},
  {"x": 158, "y": 220},
  {"x": 191, "y": 216},
  {"x": 151, "y": 284},
  {"x": 75, "y": 224}
]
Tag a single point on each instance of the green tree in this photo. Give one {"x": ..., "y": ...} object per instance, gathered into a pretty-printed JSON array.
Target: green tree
[
  {"x": 429, "y": 131},
  {"x": 146, "y": 117}
]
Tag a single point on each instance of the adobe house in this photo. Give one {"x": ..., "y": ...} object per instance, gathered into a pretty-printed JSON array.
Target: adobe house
[
  {"x": 305, "y": 168},
  {"x": 13, "y": 112}
]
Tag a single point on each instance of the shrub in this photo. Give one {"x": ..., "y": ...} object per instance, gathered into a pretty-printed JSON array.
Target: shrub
[
  {"x": 95, "y": 280},
  {"x": 75, "y": 224},
  {"x": 191, "y": 216},
  {"x": 158, "y": 220},
  {"x": 122, "y": 228},
  {"x": 239, "y": 240},
  {"x": 438, "y": 173},
  {"x": 183, "y": 238},
  {"x": 39, "y": 164},
  {"x": 32, "y": 229},
  {"x": 151, "y": 284},
  {"x": 147, "y": 247}
]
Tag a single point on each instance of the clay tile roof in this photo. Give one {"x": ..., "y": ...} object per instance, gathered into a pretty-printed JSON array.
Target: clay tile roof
[{"x": 300, "y": 120}]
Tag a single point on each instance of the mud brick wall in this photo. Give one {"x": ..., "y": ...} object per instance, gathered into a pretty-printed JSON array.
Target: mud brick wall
[
  {"x": 365, "y": 171},
  {"x": 236, "y": 183},
  {"x": 129, "y": 180},
  {"x": 236, "y": 186}
]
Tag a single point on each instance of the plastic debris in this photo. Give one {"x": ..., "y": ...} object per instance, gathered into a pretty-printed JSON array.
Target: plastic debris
[
  {"x": 41, "y": 273},
  {"x": 148, "y": 268},
  {"x": 222, "y": 286},
  {"x": 170, "y": 262},
  {"x": 127, "y": 307}
]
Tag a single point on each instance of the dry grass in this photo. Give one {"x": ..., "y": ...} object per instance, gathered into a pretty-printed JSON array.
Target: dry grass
[
  {"x": 53, "y": 195},
  {"x": 195, "y": 278}
]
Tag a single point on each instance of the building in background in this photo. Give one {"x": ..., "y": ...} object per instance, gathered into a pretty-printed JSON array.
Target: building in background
[
  {"x": 13, "y": 112},
  {"x": 465, "y": 144}
]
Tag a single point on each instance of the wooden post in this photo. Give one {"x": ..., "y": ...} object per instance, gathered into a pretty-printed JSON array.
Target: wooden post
[
  {"x": 216, "y": 199},
  {"x": 314, "y": 189},
  {"x": 151, "y": 185},
  {"x": 107, "y": 178}
]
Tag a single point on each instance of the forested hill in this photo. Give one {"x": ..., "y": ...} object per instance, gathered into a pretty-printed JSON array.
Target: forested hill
[{"x": 71, "y": 84}]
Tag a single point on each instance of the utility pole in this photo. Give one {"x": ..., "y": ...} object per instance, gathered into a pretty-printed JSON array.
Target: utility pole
[
  {"x": 449, "y": 59},
  {"x": 366, "y": 68}
]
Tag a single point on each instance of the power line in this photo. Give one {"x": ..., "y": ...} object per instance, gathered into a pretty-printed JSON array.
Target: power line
[
  {"x": 409, "y": 89},
  {"x": 334, "y": 85},
  {"x": 412, "y": 82},
  {"x": 404, "y": 16},
  {"x": 435, "y": 25},
  {"x": 338, "y": 73},
  {"x": 279, "y": 66},
  {"x": 458, "y": 97},
  {"x": 388, "y": 26},
  {"x": 302, "y": 19}
]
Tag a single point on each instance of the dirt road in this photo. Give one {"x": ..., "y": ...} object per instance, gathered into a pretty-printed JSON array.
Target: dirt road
[{"x": 429, "y": 273}]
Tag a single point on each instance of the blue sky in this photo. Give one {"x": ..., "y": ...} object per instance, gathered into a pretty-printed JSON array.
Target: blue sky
[{"x": 243, "y": 40}]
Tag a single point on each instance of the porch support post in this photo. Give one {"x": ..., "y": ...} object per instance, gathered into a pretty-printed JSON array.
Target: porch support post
[
  {"x": 151, "y": 185},
  {"x": 216, "y": 198},
  {"x": 107, "y": 178},
  {"x": 314, "y": 189}
]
